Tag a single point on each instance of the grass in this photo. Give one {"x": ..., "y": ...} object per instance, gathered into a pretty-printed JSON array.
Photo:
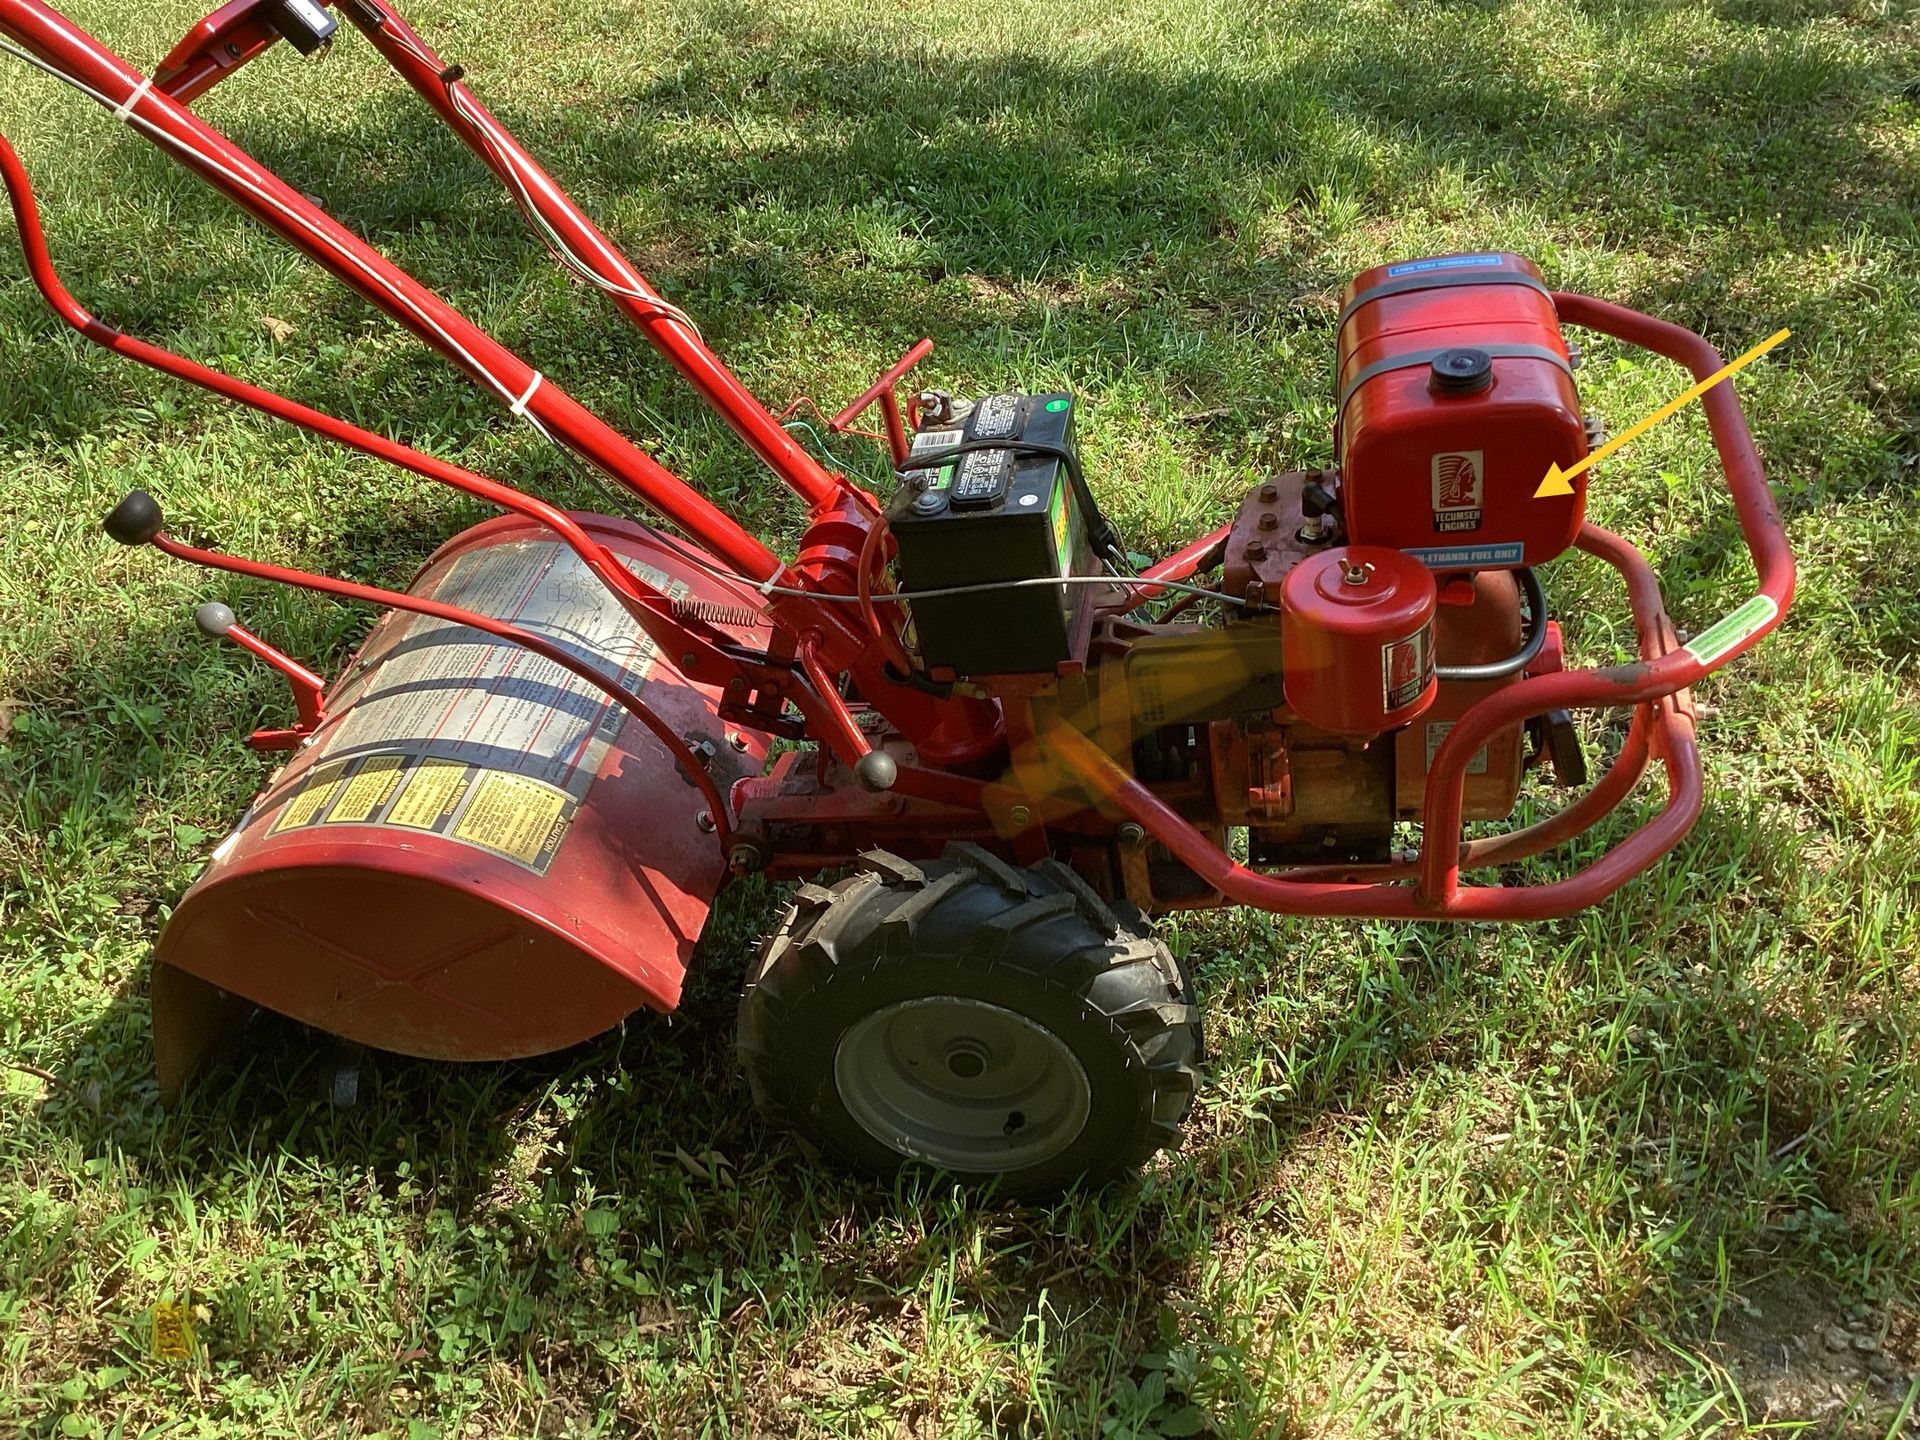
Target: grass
[{"x": 1580, "y": 1178}]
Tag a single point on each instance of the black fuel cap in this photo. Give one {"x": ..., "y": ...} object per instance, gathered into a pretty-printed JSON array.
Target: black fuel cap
[{"x": 1460, "y": 372}]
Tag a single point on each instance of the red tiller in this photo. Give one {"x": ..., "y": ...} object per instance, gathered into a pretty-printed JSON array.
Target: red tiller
[{"x": 558, "y": 743}]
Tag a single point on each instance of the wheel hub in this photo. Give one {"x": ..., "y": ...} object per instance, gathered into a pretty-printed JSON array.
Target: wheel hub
[{"x": 961, "y": 1083}]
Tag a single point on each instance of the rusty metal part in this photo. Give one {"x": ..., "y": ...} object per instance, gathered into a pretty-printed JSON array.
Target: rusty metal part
[{"x": 1265, "y": 543}]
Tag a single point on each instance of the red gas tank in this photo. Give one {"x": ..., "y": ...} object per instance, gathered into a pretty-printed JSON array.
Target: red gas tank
[
  {"x": 478, "y": 856},
  {"x": 1456, "y": 395}
]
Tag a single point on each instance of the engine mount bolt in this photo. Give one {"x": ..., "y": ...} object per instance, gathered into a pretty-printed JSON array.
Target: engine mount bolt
[
  {"x": 1131, "y": 834},
  {"x": 745, "y": 858},
  {"x": 1256, "y": 550},
  {"x": 1269, "y": 521},
  {"x": 1269, "y": 494}
]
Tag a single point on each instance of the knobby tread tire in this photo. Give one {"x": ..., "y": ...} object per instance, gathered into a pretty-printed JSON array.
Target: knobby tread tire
[{"x": 1039, "y": 941}]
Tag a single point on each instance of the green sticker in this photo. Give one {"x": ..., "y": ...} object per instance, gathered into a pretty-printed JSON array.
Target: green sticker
[
  {"x": 1054, "y": 407},
  {"x": 1733, "y": 628},
  {"x": 1061, "y": 515}
]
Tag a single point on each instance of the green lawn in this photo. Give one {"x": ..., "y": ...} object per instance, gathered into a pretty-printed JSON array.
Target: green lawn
[{"x": 1597, "y": 1177}]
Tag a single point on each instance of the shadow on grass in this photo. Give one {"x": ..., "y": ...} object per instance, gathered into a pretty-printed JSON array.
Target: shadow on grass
[{"x": 877, "y": 192}]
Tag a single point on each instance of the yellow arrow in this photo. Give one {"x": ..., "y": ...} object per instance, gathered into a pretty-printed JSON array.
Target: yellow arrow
[{"x": 1557, "y": 479}]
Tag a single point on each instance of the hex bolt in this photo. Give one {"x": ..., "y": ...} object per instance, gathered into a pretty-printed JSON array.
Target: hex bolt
[
  {"x": 1269, "y": 521},
  {"x": 1269, "y": 494},
  {"x": 1256, "y": 550},
  {"x": 1131, "y": 834},
  {"x": 705, "y": 821},
  {"x": 1021, "y": 816},
  {"x": 744, "y": 858},
  {"x": 736, "y": 740}
]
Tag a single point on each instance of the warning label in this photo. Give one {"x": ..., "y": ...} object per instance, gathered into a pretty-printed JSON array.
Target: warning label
[
  {"x": 446, "y": 730},
  {"x": 1406, "y": 668},
  {"x": 1437, "y": 731}
]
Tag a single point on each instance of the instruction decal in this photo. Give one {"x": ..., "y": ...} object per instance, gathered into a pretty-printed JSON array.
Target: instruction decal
[
  {"x": 447, "y": 731},
  {"x": 1436, "y": 732}
]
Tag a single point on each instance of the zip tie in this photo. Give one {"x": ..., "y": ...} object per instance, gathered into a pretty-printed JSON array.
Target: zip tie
[
  {"x": 520, "y": 406},
  {"x": 125, "y": 111}
]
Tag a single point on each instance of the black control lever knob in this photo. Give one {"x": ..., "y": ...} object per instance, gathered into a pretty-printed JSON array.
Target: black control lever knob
[{"x": 136, "y": 519}]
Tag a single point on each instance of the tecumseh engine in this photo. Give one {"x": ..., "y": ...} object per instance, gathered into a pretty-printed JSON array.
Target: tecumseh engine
[{"x": 1380, "y": 599}]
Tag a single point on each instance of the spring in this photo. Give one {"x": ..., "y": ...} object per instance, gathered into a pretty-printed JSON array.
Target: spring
[{"x": 712, "y": 612}]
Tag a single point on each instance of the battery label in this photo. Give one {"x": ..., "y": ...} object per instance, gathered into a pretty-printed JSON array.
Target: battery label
[
  {"x": 1406, "y": 669},
  {"x": 447, "y": 730},
  {"x": 932, "y": 442},
  {"x": 996, "y": 418}
]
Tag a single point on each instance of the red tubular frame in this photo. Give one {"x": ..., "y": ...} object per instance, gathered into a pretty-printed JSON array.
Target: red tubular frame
[
  {"x": 944, "y": 730},
  {"x": 844, "y": 540}
]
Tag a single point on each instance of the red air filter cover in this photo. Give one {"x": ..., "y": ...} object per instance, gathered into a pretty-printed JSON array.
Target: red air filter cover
[
  {"x": 1356, "y": 631},
  {"x": 1456, "y": 396}
]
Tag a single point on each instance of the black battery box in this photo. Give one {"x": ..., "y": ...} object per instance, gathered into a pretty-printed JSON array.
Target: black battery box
[{"x": 1004, "y": 509}]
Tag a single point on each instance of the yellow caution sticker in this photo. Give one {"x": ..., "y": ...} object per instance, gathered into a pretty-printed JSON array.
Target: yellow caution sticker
[
  {"x": 316, "y": 793},
  {"x": 434, "y": 791},
  {"x": 500, "y": 811},
  {"x": 368, "y": 790},
  {"x": 513, "y": 816},
  {"x": 172, "y": 1331}
]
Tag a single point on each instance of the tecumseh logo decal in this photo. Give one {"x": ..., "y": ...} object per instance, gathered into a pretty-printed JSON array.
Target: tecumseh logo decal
[{"x": 1459, "y": 485}]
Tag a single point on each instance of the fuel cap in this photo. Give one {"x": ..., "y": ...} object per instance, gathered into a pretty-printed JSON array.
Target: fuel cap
[{"x": 1460, "y": 372}]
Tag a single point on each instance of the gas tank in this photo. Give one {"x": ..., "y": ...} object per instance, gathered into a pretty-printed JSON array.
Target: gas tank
[
  {"x": 478, "y": 855},
  {"x": 1456, "y": 396}
]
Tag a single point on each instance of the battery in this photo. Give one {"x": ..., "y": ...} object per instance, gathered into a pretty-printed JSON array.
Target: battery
[{"x": 1004, "y": 510}]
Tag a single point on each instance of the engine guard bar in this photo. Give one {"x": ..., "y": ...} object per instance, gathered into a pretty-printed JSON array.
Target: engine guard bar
[{"x": 1655, "y": 685}]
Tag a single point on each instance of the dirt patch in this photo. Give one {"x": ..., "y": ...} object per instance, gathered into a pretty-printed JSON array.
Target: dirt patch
[{"x": 1797, "y": 1352}]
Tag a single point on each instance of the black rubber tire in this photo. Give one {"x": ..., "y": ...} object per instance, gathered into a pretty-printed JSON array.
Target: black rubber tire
[{"x": 1038, "y": 941}]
